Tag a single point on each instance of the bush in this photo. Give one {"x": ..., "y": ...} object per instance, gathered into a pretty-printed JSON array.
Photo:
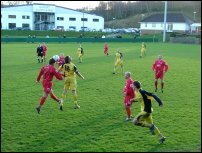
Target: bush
[{"x": 173, "y": 34}]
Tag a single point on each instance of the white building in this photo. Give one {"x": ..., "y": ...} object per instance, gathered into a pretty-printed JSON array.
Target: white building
[
  {"x": 196, "y": 28},
  {"x": 47, "y": 17},
  {"x": 176, "y": 22}
]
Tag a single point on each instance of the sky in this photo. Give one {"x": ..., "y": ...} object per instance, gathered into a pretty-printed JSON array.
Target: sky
[{"x": 72, "y": 4}]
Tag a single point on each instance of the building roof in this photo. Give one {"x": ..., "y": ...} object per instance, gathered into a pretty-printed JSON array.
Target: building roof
[
  {"x": 171, "y": 17},
  {"x": 7, "y": 6}
]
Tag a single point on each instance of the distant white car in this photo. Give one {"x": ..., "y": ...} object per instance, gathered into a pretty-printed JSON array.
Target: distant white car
[{"x": 71, "y": 29}]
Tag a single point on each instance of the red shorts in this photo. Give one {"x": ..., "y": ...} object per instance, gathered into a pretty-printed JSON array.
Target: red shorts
[
  {"x": 105, "y": 51},
  {"x": 127, "y": 100},
  {"x": 159, "y": 75},
  {"x": 44, "y": 53},
  {"x": 47, "y": 86}
]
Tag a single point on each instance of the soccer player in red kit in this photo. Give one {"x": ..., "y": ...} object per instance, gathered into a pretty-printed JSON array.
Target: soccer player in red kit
[
  {"x": 48, "y": 72},
  {"x": 61, "y": 59},
  {"x": 44, "y": 51},
  {"x": 159, "y": 67},
  {"x": 128, "y": 93},
  {"x": 106, "y": 49}
]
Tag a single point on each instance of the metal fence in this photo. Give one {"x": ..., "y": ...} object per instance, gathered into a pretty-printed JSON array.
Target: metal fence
[{"x": 60, "y": 40}]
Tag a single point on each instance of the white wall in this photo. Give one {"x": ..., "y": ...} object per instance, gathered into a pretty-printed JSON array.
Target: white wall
[
  {"x": 160, "y": 26},
  {"x": 59, "y": 12},
  {"x": 78, "y": 23},
  {"x": 27, "y": 10}
]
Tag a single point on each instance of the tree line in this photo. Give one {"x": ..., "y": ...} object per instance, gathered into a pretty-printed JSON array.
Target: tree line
[{"x": 121, "y": 9}]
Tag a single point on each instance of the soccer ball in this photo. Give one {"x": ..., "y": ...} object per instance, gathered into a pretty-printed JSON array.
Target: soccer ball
[{"x": 56, "y": 58}]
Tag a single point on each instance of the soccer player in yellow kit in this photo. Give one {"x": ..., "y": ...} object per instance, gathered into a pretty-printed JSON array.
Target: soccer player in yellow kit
[
  {"x": 144, "y": 118},
  {"x": 118, "y": 60},
  {"x": 80, "y": 53},
  {"x": 69, "y": 71},
  {"x": 143, "y": 50}
]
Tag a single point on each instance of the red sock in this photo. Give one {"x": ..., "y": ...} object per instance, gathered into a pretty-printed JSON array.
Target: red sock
[
  {"x": 54, "y": 97},
  {"x": 162, "y": 85},
  {"x": 128, "y": 111},
  {"x": 43, "y": 99},
  {"x": 156, "y": 84}
]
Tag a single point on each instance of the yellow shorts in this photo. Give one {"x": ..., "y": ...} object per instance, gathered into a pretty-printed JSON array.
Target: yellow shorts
[
  {"x": 70, "y": 83},
  {"x": 143, "y": 50},
  {"x": 119, "y": 62},
  {"x": 144, "y": 117},
  {"x": 80, "y": 55}
]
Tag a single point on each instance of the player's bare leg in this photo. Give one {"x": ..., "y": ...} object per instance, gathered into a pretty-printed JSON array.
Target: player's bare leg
[
  {"x": 44, "y": 58},
  {"x": 162, "y": 84},
  {"x": 156, "y": 85},
  {"x": 74, "y": 96},
  {"x": 59, "y": 101},
  {"x": 128, "y": 111},
  {"x": 64, "y": 94},
  {"x": 122, "y": 68},
  {"x": 114, "y": 70},
  {"x": 38, "y": 59},
  {"x": 43, "y": 99}
]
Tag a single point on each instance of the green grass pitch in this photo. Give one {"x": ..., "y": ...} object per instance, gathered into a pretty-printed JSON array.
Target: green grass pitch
[{"x": 99, "y": 125}]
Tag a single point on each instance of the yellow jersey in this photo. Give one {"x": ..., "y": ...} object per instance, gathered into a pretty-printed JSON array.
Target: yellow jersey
[
  {"x": 145, "y": 98},
  {"x": 118, "y": 56},
  {"x": 80, "y": 51},
  {"x": 68, "y": 69},
  {"x": 143, "y": 46}
]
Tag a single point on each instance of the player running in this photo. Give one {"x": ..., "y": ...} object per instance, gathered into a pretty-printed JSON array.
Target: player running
[
  {"x": 128, "y": 93},
  {"x": 118, "y": 60},
  {"x": 80, "y": 53},
  {"x": 143, "y": 50},
  {"x": 159, "y": 67},
  {"x": 106, "y": 49},
  {"x": 69, "y": 71},
  {"x": 144, "y": 118},
  {"x": 44, "y": 51},
  {"x": 48, "y": 72}
]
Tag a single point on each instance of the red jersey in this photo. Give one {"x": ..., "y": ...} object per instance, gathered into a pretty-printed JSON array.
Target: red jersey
[
  {"x": 61, "y": 61},
  {"x": 48, "y": 72},
  {"x": 160, "y": 66},
  {"x": 44, "y": 48},
  {"x": 105, "y": 47},
  {"x": 130, "y": 94}
]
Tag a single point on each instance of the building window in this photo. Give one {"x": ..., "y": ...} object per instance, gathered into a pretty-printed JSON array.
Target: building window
[
  {"x": 153, "y": 25},
  {"x": 95, "y": 20},
  {"x": 60, "y": 27},
  {"x": 25, "y": 25},
  {"x": 145, "y": 24},
  {"x": 170, "y": 27},
  {"x": 60, "y": 18},
  {"x": 11, "y": 25},
  {"x": 72, "y": 19},
  {"x": 72, "y": 28},
  {"x": 12, "y": 16},
  {"x": 25, "y": 17},
  {"x": 84, "y": 19}
]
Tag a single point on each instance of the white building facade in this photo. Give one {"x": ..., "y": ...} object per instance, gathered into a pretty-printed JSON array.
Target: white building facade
[
  {"x": 169, "y": 26},
  {"x": 176, "y": 22},
  {"x": 48, "y": 17}
]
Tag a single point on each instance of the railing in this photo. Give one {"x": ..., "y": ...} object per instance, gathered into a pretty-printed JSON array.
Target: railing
[{"x": 60, "y": 40}]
